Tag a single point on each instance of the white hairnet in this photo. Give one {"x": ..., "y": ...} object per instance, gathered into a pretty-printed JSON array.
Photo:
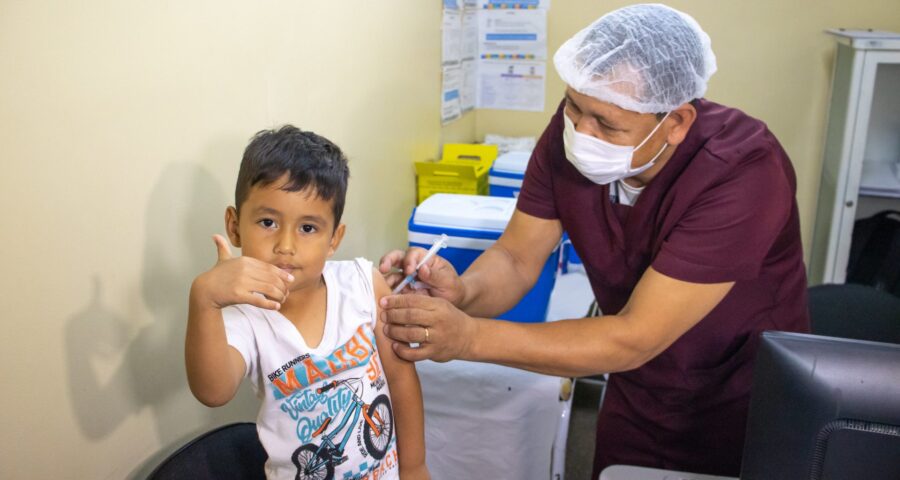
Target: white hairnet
[{"x": 645, "y": 58}]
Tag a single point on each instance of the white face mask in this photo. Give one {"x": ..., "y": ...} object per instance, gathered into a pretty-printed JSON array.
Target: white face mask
[{"x": 600, "y": 161}]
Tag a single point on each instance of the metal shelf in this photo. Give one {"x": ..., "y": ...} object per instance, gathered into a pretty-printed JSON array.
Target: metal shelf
[{"x": 880, "y": 179}]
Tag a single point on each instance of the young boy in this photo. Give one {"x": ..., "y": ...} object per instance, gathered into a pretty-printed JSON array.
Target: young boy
[{"x": 303, "y": 330}]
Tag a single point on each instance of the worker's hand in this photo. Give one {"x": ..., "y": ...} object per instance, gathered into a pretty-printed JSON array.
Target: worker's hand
[
  {"x": 437, "y": 273},
  {"x": 449, "y": 331},
  {"x": 241, "y": 280}
]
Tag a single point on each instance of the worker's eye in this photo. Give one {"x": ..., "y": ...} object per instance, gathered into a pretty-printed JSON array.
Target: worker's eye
[{"x": 606, "y": 127}]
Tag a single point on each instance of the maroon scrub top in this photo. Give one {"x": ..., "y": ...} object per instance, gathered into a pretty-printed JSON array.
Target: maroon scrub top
[{"x": 721, "y": 210}]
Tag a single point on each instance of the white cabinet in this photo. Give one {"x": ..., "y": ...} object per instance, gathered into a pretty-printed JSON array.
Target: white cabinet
[{"x": 860, "y": 171}]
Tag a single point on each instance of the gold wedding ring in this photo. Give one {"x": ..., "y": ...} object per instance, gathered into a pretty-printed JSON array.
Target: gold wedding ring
[{"x": 426, "y": 335}]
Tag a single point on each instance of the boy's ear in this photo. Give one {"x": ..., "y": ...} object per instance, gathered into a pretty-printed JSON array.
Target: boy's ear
[
  {"x": 336, "y": 239},
  {"x": 231, "y": 226}
]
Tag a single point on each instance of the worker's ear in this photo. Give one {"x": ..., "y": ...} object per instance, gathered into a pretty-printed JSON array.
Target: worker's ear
[{"x": 680, "y": 121}]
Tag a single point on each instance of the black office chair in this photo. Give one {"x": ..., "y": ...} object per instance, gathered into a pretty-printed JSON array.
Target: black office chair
[
  {"x": 854, "y": 311},
  {"x": 226, "y": 453}
]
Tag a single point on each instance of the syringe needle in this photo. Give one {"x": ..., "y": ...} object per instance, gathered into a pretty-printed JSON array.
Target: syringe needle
[{"x": 438, "y": 244}]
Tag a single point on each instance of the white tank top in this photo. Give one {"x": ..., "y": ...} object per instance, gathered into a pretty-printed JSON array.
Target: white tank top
[{"x": 325, "y": 410}]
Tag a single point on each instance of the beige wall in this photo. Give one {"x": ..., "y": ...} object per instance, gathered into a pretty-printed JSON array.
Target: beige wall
[
  {"x": 121, "y": 128},
  {"x": 774, "y": 63}
]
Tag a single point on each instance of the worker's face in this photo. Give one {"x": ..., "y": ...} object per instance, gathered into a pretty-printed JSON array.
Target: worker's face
[{"x": 616, "y": 125}]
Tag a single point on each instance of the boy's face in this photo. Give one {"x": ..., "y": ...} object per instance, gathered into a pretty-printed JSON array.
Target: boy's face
[{"x": 292, "y": 230}]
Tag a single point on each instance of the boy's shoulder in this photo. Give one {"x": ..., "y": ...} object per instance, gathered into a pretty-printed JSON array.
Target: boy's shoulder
[
  {"x": 357, "y": 272},
  {"x": 354, "y": 261},
  {"x": 353, "y": 274},
  {"x": 243, "y": 311},
  {"x": 358, "y": 265},
  {"x": 244, "y": 319}
]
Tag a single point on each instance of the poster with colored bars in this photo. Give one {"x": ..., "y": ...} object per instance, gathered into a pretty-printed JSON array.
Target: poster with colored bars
[{"x": 494, "y": 56}]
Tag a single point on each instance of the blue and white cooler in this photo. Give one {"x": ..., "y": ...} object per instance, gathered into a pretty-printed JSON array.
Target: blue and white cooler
[
  {"x": 473, "y": 223},
  {"x": 506, "y": 174}
]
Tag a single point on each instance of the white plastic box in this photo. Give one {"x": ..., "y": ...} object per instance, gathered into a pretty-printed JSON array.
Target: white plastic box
[{"x": 506, "y": 174}]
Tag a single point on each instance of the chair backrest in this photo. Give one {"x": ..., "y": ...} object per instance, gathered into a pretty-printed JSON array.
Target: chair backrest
[
  {"x": 854, "y": 311},
  {"x": 229, "y": 452}
]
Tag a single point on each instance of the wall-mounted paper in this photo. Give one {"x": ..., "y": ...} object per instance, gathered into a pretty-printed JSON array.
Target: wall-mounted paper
[
  {"x": 516, "y": 85},
  {"x": 467, "y": 92},
  {"x": 493, "y": 55},
  {"x": 451, "y": 31},
  {"x": 512, "y": 34},
  {"x": 545, "y": 4},
  {"x": 450, "y": 93},
  {"x": 469, "y": 34}
]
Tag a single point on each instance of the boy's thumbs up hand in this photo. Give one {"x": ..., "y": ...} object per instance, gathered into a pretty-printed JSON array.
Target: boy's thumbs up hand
[
  {"x": 241, "y": 280},
  {"x": 223, "y": 249}
]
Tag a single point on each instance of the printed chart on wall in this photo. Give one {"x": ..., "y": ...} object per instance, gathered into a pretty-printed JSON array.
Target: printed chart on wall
[{"x": 494, "y": 56}]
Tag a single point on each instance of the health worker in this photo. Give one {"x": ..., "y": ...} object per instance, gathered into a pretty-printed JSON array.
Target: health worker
[{"x": 684, "y": 214}]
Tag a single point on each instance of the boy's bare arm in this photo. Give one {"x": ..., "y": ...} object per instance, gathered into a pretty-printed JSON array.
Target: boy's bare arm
[
  {"x": 214, "y": 369},
  {"x": 406, "y": 396}
]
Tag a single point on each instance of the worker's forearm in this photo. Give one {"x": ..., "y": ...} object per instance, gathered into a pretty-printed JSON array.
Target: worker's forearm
[
  {"x": 568, "y": 348},
  {"x": 494, "y": 284},
  {"x": 208, "y": 357}
]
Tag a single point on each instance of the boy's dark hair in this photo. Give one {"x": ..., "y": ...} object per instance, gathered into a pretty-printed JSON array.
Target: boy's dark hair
[{"x": 310, "y": 160}]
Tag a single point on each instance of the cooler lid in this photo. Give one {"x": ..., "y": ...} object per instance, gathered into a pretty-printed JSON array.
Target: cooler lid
[
  {"x": 472, "y": 212},
  {"x": 512, "y": 162}
]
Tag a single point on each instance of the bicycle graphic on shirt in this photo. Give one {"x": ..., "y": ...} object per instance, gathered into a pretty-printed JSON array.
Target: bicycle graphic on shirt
[{"x": 317, "y": 462}]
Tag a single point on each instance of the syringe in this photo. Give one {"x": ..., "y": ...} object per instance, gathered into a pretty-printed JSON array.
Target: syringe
[{"x": 439, "y": 243}]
